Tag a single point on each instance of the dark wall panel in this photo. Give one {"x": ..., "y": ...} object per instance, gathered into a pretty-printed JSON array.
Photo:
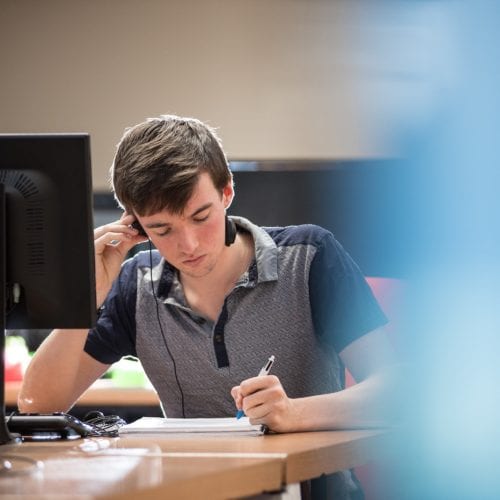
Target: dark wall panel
[{"x": 362, "y": 203}]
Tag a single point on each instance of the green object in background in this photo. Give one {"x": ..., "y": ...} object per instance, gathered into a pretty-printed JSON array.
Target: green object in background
[{"x": 128, "y": 372}]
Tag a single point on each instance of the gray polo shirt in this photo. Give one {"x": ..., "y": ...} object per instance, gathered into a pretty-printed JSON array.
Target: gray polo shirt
[{"x": 302, "y": 299}]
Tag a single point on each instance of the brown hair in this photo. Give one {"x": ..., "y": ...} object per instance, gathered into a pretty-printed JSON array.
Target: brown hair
[{"x": 158, "y": 162}]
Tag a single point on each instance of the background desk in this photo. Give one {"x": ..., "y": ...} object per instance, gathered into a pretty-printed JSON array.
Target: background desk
[
  {"x": 127, "y": 402},
  {"x": 185, "y": 467},
  {"x": 102, "y": 392}
]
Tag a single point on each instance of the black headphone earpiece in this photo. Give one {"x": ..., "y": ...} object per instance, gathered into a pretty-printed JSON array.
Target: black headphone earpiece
[
  {"x": 137, "y": 225},
  {"x": 230, "y": 231}
]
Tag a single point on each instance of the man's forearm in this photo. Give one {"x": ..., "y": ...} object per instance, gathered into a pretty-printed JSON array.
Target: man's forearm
[
  {"x": 58, "y": 373},
  {"x": 364, "y": 405}
]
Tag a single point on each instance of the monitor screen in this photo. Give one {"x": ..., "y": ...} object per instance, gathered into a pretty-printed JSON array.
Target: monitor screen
[{"x": 46, "y": 234}]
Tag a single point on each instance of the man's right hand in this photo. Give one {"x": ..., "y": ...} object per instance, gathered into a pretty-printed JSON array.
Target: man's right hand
[{"x": 112, "y": 243}]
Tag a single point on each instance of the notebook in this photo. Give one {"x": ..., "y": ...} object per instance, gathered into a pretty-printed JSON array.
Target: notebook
[{"x": 159, "y": 425}]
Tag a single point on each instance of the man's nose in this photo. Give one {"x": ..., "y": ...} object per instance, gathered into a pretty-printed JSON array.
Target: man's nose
[{"x": 188, "y": 241}]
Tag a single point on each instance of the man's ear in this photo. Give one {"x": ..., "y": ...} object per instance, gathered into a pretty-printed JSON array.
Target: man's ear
[{"x": 228, "y": 194}]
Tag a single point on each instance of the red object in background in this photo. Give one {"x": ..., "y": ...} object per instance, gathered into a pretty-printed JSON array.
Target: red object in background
[
  {"x": 13, "y": 371},
  {"x": 16, "y": 358}
]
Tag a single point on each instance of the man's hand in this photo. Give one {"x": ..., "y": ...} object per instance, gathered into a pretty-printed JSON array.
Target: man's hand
[
  {"x": 112, "y": 243},
  {"x": 264, "y": 401}
]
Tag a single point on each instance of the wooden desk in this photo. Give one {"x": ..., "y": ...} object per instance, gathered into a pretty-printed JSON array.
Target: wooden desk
[
  {"x": 178, "y": 467},
  {"x": 308, "y": 454},
  {"x": 102, "y": 467}
]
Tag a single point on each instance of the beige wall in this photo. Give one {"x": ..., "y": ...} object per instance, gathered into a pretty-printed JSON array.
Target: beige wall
[{"x": 281, "y": 78}]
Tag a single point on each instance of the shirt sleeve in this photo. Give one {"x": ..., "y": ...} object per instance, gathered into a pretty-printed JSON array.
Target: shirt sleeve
[
  {"x": 342, "y": 303},
  {"x": 114, "y": 334}
]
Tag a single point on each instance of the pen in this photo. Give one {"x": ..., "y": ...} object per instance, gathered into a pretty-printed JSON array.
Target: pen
[{"x": 263, "y": 371}]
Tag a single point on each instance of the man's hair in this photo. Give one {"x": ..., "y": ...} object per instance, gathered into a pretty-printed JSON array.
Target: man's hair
[{"x": 158, "y": 163}]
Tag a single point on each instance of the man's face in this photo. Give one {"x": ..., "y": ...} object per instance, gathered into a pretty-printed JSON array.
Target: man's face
[{"x": 192, "y": 242}]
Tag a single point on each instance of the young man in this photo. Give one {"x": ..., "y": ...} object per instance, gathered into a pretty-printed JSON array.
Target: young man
[{"x": 206, "y": 309}]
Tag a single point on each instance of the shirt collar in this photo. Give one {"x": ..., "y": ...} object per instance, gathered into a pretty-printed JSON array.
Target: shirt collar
[{"x": 266, "y": 251}]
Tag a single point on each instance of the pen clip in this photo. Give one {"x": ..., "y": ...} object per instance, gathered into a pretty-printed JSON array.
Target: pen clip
[{"x": 269, "y": 363}]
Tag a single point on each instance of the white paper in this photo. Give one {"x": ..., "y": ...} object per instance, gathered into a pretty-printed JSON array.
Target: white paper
[{"x": 194, "y": 425}]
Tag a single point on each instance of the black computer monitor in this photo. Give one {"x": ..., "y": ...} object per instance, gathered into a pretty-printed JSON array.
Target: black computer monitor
[{"x": 47, "y": 275}]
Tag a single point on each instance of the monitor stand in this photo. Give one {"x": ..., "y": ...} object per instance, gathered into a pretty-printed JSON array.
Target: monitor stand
[{"x": 5, "y": 435}]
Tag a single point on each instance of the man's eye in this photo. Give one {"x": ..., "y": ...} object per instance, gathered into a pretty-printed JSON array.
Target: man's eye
[
  {"x": 164, "y": 233},
  {"x": 200, "y": 219}
]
